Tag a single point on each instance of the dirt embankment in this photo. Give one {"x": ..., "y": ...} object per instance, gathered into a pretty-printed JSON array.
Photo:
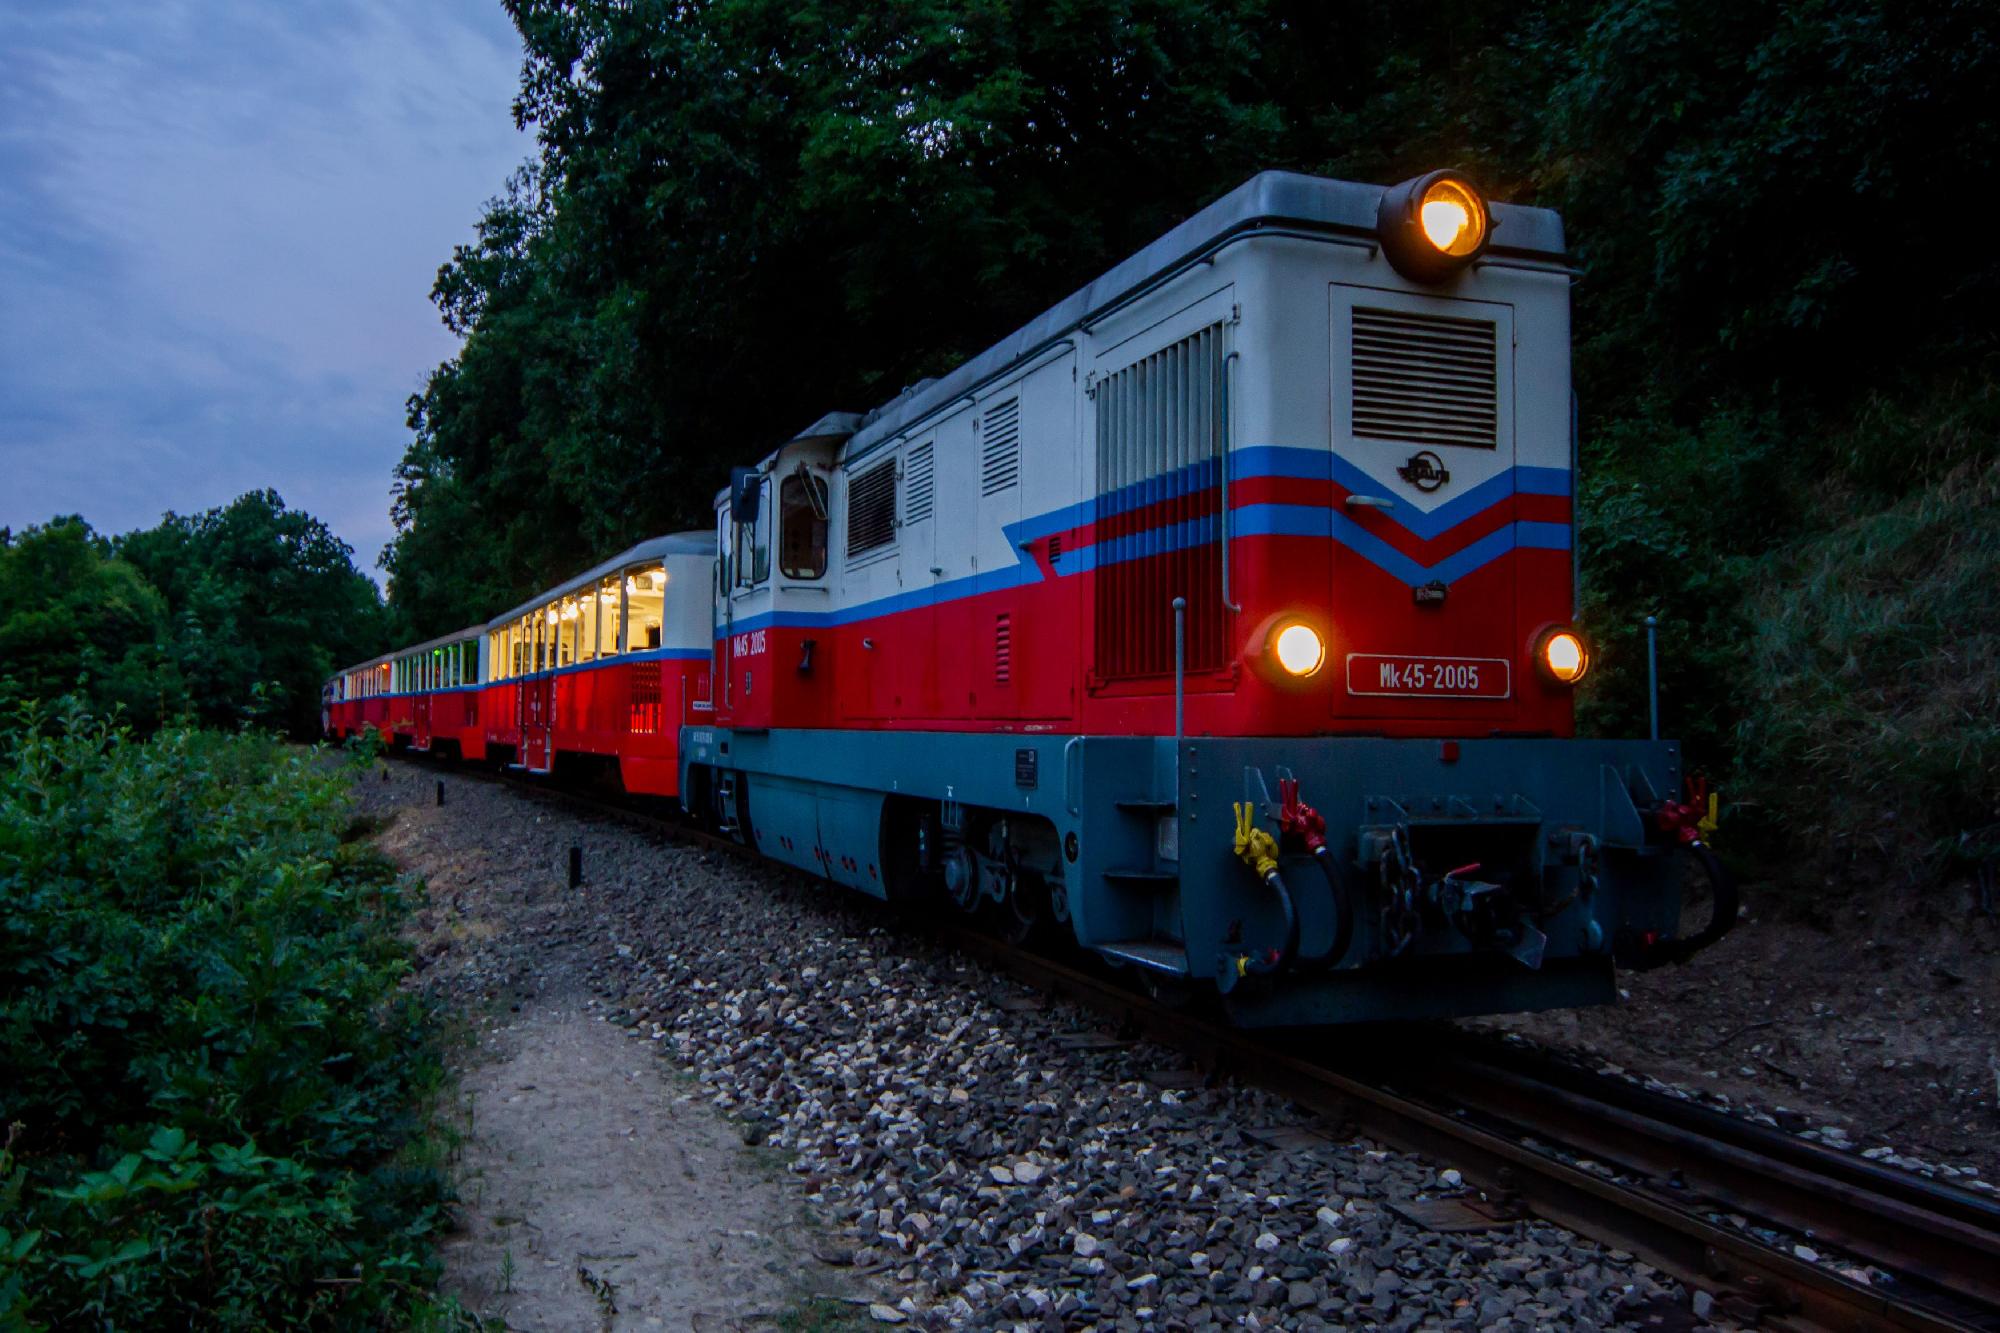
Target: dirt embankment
[{"x": 1876, "y": 1027}]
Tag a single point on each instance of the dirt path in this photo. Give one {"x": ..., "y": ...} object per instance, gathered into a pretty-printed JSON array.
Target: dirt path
[
  {"x": 598, "y": 1188},
  {"x": 596, "y": 1194}
]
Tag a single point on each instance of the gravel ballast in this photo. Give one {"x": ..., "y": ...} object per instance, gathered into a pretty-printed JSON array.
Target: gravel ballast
[{"x": 986, "y": 1159}]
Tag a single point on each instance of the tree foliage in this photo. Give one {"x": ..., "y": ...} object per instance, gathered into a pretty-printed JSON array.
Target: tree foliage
[
  {"x": 743, "y": 213},
  {"x": 232, "y": 616},
  {"x": 75, "y": 619},
  {"x": 264, "y": 604}
]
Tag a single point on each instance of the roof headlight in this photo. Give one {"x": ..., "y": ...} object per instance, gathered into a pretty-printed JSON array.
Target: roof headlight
[{"x": 1433, "y": 225}]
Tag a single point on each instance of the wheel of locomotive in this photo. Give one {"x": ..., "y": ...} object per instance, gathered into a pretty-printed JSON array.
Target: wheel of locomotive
[
  {"x": 1021, "y": 910},
  {"x": 959, "y": 869}
]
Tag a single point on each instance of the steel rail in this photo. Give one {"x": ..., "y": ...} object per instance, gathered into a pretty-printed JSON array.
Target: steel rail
[
  {"x": 1751, "y": 1281},
  {"x": 1942, "y": 1235},
  {"x": 1694, "y": 1162}
]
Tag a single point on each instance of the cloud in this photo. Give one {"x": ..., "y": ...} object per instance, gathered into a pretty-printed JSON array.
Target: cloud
[{"x": 219, "y": 223}]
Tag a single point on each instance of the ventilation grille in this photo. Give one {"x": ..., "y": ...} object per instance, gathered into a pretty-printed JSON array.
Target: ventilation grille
[
  {"x": 917, "y": 485},
  {"x": 1425, "y": 379},
  {"x": 1159, "y": 441},
  {"x": 644, "y": 683},
  {"x": 871, "y": 509},
  {"x": 1003, "y": 648},
  {"x": 1000, "y": 447}
]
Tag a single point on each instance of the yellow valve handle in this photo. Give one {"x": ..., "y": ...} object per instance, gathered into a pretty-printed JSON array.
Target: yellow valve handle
[
  {"x": 1258, "y": 849},
  {"x": 1708, "y": 823}
]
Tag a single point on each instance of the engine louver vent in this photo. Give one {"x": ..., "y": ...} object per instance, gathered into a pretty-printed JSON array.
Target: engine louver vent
[
  {"x": 871, "y": 508},
  {"x": 1425, "y": 379},
  {"x": 1160, "y": 436},
  {"x": 1003, "y": 648},
  {"x": 1000, "y": 447},
  {"x": 917, "y": 499}
]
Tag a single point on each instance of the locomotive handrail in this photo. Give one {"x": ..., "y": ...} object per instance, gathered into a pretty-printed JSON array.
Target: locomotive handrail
[{"x": 1227, "y": 435}]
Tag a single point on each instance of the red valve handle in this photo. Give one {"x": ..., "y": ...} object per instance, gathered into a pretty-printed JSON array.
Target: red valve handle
[
  {"x": 1294, "y": 816},
  {"x": 1681, "y": 819}
]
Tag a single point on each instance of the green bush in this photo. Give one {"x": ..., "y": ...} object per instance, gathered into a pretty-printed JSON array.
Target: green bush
[
  {"x": 1876, "y": 654},
  {"x": 210, "y": 1075}
]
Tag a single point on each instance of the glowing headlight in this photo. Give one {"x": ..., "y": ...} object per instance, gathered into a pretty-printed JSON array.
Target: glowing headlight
[
  {"x": 1562, "y": 656},
  {"x": 1453, "y": 218},
  {"x": 1299, "y": 649},
  {"x": 1432, "y": 226}
]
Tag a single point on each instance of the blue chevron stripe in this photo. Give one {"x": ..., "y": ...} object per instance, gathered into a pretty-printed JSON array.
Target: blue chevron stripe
[{"x": 1256, "y": 520}]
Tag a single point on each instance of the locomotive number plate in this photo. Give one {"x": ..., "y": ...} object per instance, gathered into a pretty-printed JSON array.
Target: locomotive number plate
[{"x": 1429, "y": 677}]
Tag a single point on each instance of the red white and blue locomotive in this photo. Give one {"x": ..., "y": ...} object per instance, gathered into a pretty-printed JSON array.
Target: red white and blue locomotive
[{"x": 1218, "y": 618}]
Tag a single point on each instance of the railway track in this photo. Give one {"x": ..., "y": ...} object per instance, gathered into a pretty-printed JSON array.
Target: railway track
[{"x": 1630, "y": 1168}]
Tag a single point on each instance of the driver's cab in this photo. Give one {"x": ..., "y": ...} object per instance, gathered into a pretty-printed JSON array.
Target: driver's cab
[{"x": 774, "y": 660}]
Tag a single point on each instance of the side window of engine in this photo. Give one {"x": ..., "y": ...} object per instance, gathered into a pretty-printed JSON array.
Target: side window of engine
[
  {"x": 753, "y": 543},
  {"x": 802, "y": 526}
]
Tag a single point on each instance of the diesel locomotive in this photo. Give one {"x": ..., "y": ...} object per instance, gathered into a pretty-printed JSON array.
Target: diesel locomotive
[{"x": 1217, "y": 621}]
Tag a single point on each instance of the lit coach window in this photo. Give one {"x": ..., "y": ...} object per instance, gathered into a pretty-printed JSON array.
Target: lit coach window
[
  {"x": 1433, "y": 226},
  {"x": 1562, "y": 656}
]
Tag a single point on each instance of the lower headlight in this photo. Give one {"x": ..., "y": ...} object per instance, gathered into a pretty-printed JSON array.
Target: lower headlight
[
  {"x": 1562, "y": 656},
  {"x": 1298, "y": 648}
]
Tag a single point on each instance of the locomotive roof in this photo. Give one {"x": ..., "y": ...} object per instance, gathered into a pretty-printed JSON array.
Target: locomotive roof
[
  {"x": 1270, "y": 200},
  {"x": 653, "y": 548}
]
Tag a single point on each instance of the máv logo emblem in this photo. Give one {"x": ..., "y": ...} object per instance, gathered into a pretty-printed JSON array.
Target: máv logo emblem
[{"x": 1425, "y": 471}]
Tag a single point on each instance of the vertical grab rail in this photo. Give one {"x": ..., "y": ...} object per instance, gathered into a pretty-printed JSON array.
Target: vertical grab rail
[
  {"x": 1653, "y": 674},
  {"x": 1180, "y": 689},
  {"x": 1227, "y": 603}
]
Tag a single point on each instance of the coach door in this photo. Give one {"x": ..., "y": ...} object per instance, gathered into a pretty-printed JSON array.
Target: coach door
[
  {"x": 535, "y": 702},
  {"x": 1423, "y": 565}
]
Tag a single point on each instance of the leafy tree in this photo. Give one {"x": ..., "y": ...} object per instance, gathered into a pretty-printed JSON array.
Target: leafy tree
[
  {"x": 232, "y": 616},
  {"x": 75, "y": 619},
  {"x": 743, "y": 213},
  {"x": 265, "y": 604},
  {"x": 746, "y": 214}
]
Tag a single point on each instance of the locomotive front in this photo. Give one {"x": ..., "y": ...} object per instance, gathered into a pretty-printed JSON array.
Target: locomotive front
[
  {"x": 1389, "y": 816},
  {"x": 1219, "y": 620}
]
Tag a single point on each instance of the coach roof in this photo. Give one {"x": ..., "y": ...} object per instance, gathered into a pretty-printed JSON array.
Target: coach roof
[
  {"x": 456, "y": 636},
  {"x": 653, "y": 548}
]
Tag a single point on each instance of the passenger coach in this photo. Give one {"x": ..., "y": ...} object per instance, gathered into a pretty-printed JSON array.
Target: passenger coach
[{"x": 604, "y": 669}]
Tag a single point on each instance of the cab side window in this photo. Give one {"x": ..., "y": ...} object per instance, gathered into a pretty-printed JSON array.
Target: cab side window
[
  {"x": 753, "y": 543},
  {"x": 802, "y": 526}
]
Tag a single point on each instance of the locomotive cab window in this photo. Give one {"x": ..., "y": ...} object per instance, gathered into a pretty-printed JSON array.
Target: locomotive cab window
[
  {"x": 753, "y": 543},
  {"x": 802, "y": 526}
]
